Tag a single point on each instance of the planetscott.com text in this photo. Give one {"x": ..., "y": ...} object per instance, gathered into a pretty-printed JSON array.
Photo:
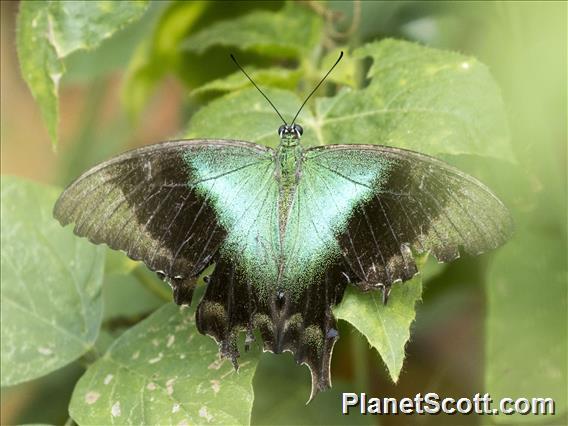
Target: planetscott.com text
[{"x": 432, "y": 403}]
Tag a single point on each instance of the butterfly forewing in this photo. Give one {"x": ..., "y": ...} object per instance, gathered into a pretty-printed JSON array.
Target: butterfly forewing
[
  {"x": 153, "y": 204},
  {"x": 408, "y": 202}
]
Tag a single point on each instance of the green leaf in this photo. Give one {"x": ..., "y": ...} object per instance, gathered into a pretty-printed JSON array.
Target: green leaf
[
  {"x": 289, "y": 33},
  {"x": 526, "y": 321},
  {"x": 163, "y": 372},
  {"x": 48, "y": 32},
  {"x": 51, "y": 285},
  {"x": 344, "y": 74},
  {"x": 281, "y": 389},
  {"x": 113, "y": 54},
  {"x": 119, "y": 287},
  {"x": 386, "y": 327},
  {"x": 266, "y": 77},
  {"x": 159, "y": 54},
  {"x": 162, "y": 54},
  {"x": 418, "y": 98},
  {"x": 244, "y": 115},
  {"x": 118, "y": 263},
  {"x": 428, "y": 100}
]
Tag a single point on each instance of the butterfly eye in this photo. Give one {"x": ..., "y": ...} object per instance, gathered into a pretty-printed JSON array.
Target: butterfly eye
[
  {"x": 298, "y": 129},
  {"x": 281, "y": 130}
]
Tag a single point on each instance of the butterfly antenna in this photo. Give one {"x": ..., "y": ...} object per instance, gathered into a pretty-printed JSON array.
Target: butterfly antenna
[
  {"x": 258, "y": 88},
  {"x": 318, "y": 85}
]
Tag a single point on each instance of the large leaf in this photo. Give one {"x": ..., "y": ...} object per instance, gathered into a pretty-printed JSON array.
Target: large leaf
[
  {"x": 50, "y": 31},
  {"x": 51, "y": 285},
  {"x": 428, "y": 100},
  {"x": 163, "y": 372},
  {"x": 291, "y": 33},
  {"x": 387, "y": 328}
]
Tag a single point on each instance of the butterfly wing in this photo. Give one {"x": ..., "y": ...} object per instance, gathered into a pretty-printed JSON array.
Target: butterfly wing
[
  {"x": 154, "y": 204},
  {"x": 407, "y": 201}
]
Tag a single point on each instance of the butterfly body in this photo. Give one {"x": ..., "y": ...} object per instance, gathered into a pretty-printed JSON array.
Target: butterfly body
[
  {"x": 287, "y": 229},
  {"x": 288, "y": 171}
]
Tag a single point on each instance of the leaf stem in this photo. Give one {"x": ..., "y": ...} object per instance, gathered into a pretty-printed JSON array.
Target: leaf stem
[{"x": 361, "y": 361}]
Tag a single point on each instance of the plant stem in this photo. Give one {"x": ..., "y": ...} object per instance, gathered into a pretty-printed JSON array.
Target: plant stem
[{"x": 360, "y": 350}]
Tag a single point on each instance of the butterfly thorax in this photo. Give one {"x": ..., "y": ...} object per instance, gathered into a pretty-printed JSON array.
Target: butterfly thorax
[
  {"x": 288, "y": 162},
  {"x": 288, "y": 170}
]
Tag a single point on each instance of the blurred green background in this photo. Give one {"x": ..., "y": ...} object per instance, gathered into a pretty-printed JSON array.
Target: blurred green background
[{"x": 496, "y": 323}]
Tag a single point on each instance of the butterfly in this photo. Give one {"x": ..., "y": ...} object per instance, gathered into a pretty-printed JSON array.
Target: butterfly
[{"x": 287, "y": 228}]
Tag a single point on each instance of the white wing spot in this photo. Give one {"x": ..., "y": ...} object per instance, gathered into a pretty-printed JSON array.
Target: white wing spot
[
  {"x": 175, "y": 408},
  {"x": 108, "y": 379},
  {"x": 204, "y": 414},
  {"x": 115, "y": 410},
  {"x": 147, "y": 167},
  {"x": 92, "y": 397},
  {"x": 157, "y": 359}
]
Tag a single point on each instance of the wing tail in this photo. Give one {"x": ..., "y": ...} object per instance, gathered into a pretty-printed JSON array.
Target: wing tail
[{"x": 302, "y": 324}]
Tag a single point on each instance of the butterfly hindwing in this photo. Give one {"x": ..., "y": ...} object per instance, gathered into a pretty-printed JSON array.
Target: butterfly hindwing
[{"x": 411, "y": 202}]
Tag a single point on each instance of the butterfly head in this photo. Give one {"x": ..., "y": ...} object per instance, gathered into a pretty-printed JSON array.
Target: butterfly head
[{"x": 290, "y": 134}]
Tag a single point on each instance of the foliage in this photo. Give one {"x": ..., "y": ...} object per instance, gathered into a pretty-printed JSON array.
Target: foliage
[
  {"x": 60, "y": 300},
  {"x": 160, "y": 371},
  {"x": 49, "y": 31},
  {"x": 387, "y": 328},
  {"x": 51, "y": 286}
]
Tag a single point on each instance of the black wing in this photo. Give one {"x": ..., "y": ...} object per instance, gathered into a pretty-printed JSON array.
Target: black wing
[
  {"x": 415, "y": 203},
  {"x": 145, "y": 203}
]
